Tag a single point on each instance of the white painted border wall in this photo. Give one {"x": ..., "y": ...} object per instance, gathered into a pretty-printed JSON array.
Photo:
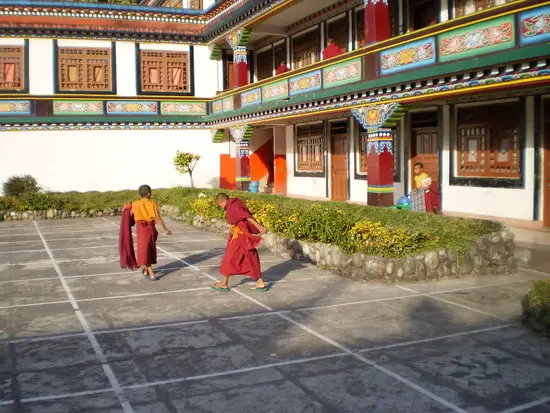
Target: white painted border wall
[
  {"x": 108, "y": 160},
  {"x": 494, "y": 202}
]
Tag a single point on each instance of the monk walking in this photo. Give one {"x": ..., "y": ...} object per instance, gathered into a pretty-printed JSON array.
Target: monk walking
[
  {"x": 146, "y": 214},
  {"x": 241, "y": 256}
]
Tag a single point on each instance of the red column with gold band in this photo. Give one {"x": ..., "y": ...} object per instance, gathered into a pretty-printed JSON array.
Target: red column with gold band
[
  {"x": 380, "y": 167},
  {"x": 240, "y": 67}
]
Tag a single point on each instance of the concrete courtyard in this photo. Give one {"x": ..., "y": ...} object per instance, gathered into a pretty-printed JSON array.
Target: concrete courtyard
[{"x": 80, "y": 335}]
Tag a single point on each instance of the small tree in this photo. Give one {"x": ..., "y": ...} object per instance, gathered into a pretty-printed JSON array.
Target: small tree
[{"x": 185, "y": 162}]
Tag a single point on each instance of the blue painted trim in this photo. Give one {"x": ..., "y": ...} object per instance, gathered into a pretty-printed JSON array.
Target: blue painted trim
[
  {"x": 29, "y": 112},
  {"x": 311, "y": 89},
  {"x": 131, "y": 113}
]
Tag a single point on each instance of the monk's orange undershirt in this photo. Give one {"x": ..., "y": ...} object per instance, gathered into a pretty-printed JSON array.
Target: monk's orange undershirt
[{"x": 145, "y": 210}]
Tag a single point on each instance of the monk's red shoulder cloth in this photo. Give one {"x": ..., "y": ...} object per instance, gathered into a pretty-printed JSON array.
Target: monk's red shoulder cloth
[{"x": 126, "y": 241}]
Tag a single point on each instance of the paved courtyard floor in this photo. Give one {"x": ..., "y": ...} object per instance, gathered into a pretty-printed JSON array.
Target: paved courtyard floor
[{"x": 79, "y": 335}]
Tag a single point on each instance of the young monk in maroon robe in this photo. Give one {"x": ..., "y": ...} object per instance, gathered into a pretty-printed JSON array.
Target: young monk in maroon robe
[
  {"x": 146, "y": 214},
  {"x": 241, "y": 256},
  {"x": 331, "y": 50},
  {"x": 283, "y": 68}
]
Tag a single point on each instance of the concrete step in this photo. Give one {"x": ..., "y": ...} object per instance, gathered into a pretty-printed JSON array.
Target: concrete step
[{"x": 533, "y": 249}]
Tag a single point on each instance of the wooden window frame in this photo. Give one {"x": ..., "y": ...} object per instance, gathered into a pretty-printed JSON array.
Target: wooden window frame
[
  {"x": 270, "y": 51},
  {"x": 87, "y": 57},
  {"x": 315, "y": 30},
  {"x": 310, "y": 136},
  {"x": 167, "y": 59},
  {"x": 489, "y": 136},
  {"x": 16, "y": 55},
  {"x": 344, "y": 48}
]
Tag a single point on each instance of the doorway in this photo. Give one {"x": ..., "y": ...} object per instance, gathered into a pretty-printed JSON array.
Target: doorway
[
  {"x": 425, "y": 144},
  {"x": 546, "y": 150},
  {"x": 339, "y": 160}
]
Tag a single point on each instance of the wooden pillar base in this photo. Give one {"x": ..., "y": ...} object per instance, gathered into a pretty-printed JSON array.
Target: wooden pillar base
[{"x": 380, "y": 200}]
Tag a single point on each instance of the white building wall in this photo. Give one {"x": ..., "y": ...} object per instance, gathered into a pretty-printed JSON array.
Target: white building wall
[
  {"x": 108, "y": 160},
  {"x": 126, "y": 70},
  {"x": 41, "y": 67},
  {"x": 206, "y": 73},
  {"x": 492, "y": 202},
  {"x": 300, "y": 186}
]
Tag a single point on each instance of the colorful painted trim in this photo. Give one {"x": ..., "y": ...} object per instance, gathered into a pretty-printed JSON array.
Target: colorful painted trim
[
  {"x": 307, "y": 82},
  {"x": 243, "y": 179},
  {"x": 535, "y": 26},
  {"x": 380, "y": 146},
  {"x": 238, "y": 37},
  {"x": 182, "y": 108},
  {"x": 251, "y": 97},
  {"x": 375, "y": 96},
  {"x": 228, "y": 104},
  {"x": 215, "y": 51},
  {"x": 78, "y": 107},
  {"x": 374, "y": 117},
  {"x": 15, "y": 107},
  {"x": 383, "y": 189},
  {"x": 409, "y": 56},
  {"x": 241, "y": 134},
  {"x": 35, "y": 127},
  {"x": 342, "y": 73},
  {"x": 131, "y": 108},
  {"x": 275, "y": 91},
  {"x": 217, "y": 106},
  {"x": 217, "y": 135},
  {"x": 487, "y": 37}
]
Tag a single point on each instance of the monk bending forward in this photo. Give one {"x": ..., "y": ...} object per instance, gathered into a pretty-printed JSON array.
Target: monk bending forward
[
  {"x": 240, "y": 257},
  {"x": 147, "y": 214}
]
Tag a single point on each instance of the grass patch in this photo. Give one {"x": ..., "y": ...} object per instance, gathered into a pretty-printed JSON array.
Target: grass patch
[
  {"x": 536, "y": 307},
  {"x": 355, "y": 228}
]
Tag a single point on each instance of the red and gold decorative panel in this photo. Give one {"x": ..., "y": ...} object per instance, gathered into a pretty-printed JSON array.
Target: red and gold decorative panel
[
  {"x": 12, "y": 68},
  {"x": 164, "y": 72},
  {"x": 84, "y": 69}
]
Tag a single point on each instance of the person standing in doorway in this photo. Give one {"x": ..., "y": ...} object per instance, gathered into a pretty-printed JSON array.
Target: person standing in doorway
[{"x": 432, "y": 197}]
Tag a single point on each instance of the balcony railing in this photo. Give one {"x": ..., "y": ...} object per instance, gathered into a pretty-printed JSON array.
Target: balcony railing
[{"x": 506, "y": 27}]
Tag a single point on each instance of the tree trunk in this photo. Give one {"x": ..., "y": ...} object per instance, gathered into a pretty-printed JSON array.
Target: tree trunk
[{"x": 191, "y": 178}]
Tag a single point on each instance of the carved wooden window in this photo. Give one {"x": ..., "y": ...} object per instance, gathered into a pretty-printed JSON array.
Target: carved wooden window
[
  {"x": 338, "y": 31},
  {"x": 306, "y": 49},
  {"x": 264, "y": 64},
  {"x": 309, "y": 148},
  {"x": 488, "y": 141},
  {"x": 12, "y": 68},
  {"x": 84, "y": 69},
  {"x": 164, "y": 72}
]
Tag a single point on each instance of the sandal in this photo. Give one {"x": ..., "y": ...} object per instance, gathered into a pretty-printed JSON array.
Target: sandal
[
  {"x": 262, "y": 289},
  {"x": 216, "y": 287}
]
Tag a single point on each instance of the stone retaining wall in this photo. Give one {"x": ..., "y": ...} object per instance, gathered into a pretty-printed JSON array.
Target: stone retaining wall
[{"x": 490, "y": 254}]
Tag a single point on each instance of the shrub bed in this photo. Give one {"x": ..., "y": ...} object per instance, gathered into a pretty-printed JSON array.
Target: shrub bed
[
  {"x": 355, "y": 229},
  {"x": 536, "y": 307}
]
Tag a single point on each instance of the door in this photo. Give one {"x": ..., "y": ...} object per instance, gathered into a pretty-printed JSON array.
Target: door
[
  {"x": 424, "y": 149},
  {"x": 339, "y": 167},
  {"x": 280, "y": 174},
  {"x": 546, "y": 178}
]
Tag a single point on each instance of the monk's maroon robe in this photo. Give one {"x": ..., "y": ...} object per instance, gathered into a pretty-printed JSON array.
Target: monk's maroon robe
[
  {"x": 125, "y": 240},
  {"x": 241, "y": 256},
  {"x": 331, "y": 51}
]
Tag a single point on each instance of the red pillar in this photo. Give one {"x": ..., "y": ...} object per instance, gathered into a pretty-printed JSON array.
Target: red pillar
[
  {"x": 243, "y": 165},
  {"x": 380, "y": 167},
  {"x": 240, "y": 66},
  {"x": 377, "y": 21},
  {"x": 377, "y": 29}
]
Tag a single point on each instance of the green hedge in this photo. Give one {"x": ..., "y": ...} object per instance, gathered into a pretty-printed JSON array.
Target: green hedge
[
  {"x": 373, "y": 231},
  {"x": 536, "y": 307}
]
